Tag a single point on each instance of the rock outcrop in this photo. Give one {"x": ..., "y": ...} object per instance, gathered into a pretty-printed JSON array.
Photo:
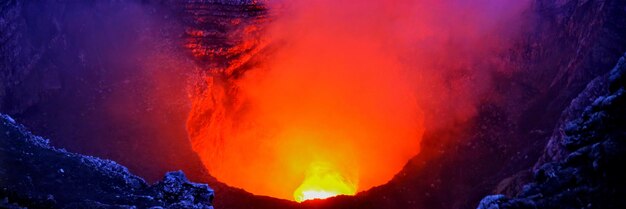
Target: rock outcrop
[
  {"x": 222, "y": 35},
  {"x": 34, "y": 174},
  {"x": 590, "y": 174}
]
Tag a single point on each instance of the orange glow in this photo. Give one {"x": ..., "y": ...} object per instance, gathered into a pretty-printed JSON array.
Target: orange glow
[
  {"x": 322, "y": 181},
  {"x": 337, "y": 103}
]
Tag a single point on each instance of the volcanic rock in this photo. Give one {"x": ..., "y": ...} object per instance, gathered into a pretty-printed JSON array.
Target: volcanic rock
[
  {"x": 590, "y": 173},
  {"x": 34, "y": 174}
]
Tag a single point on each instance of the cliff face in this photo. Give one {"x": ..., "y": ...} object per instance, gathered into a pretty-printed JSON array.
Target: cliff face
[
  {"x": 592, "y": 42},
  {"x": 105, "y": 78},
  {"x": 589, "y": 173},
  {"x": 572, "y": 44},
  {"x": 577, "y": 94},
  {"x": 21, "y": 86},
  {"x": 221, "y": 35},
  {"x": 569, "y": 44}
]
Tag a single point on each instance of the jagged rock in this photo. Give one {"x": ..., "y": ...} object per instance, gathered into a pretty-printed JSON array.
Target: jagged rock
[
  {"x": 591, "y": 175},
  {"x": 492, "y": 201},
  {"x": 176, "y": 189},
  {"x": 36, "y": 175},
  {"x": 222, "y": 35}
]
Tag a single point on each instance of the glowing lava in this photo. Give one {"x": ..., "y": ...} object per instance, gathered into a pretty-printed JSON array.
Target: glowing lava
[
  {"x": 322, "y": 182},
  {"x": 331, "y": 111},
  {"x": 336, "y": 102}
]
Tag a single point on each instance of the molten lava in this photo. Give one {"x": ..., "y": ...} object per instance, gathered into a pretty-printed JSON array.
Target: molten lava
[{"x": 322, "y": 181}]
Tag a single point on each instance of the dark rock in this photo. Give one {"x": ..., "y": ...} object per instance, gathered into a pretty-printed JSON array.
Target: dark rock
[
  {"x": 107, "y": 72},
  {"x": 492, "y": 202},
  {"x": 592, "y": 174},
  {"x": 176, "y": 189},
  {"x": 37, "y": 175}
]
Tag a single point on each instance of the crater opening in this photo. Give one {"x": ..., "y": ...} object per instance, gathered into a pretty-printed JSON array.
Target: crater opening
[{"x": 333, "y": 97}]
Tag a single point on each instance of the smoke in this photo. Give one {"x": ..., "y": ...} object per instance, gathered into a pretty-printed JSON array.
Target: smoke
[{"x": 351, "y": 85}]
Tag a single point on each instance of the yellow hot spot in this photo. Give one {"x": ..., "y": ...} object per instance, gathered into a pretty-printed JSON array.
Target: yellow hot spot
[{"x": 321, "y": 182}]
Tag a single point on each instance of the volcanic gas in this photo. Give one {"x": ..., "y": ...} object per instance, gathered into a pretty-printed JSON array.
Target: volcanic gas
[{"x": 334, "y": 104}]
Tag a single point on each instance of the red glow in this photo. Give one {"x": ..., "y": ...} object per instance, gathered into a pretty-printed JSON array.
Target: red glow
[{"x": 347, "y": 86}]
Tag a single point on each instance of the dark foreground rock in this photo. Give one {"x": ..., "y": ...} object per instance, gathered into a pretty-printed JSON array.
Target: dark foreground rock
[
  {"x": 591, "y": 174},
  {"x": 34, "y": 174}
]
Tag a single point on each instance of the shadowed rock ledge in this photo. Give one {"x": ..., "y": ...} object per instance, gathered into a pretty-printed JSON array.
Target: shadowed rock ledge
[{"x": 34, "y": 174}]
